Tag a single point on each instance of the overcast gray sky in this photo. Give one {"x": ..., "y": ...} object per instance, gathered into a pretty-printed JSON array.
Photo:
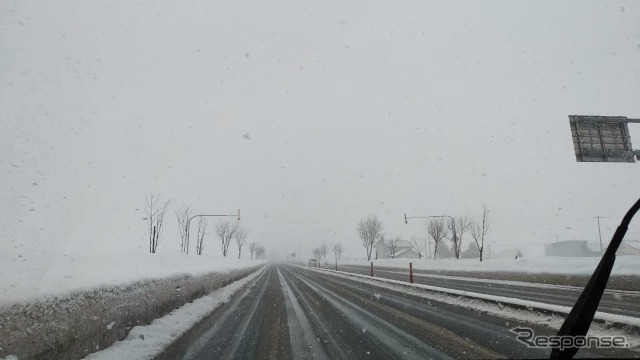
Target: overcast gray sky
[{"x": 349, "y": 109}]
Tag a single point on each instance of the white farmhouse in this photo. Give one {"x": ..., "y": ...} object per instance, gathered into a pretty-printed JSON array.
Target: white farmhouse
[{"x": 404, "y": 250}]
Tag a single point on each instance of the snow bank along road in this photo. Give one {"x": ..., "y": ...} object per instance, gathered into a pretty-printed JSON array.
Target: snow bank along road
[
  {"x": 73, "y": 325},
  {"x": 291, "y": 312},
  {"x": 618, "y": 302}
]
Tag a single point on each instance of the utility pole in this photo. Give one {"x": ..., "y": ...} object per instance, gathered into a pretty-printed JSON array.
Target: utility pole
[{"x": 600, "y": 232}]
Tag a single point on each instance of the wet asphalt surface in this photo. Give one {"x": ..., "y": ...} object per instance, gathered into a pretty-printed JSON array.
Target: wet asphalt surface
[{"x": 295, "y": 313}]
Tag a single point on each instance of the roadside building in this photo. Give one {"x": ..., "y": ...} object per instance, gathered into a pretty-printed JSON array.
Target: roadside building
[
  {"x": 571, "y": 248},
  {"x": 403, "y": 250}
]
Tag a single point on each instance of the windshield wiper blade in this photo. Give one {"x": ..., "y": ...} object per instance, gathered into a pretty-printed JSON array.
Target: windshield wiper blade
[{"x": 579, "y": 319}]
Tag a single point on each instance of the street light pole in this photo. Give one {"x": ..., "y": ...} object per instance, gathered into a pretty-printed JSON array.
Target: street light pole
[{"x": 206, "y": 215}]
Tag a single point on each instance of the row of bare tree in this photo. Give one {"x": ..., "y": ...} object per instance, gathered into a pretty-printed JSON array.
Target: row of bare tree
[
  {"x": 370, "y": 231},
  {"x": 322, "y": 251},
  {"x": 257, "y": 249},
  {"x": 454, "y": 229},
  {"x": 226, "y": 230},
  {"x": 155, "y": 209}
]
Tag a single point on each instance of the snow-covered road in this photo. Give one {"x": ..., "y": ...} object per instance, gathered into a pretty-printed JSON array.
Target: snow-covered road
[{"x": 294, "y": 313}]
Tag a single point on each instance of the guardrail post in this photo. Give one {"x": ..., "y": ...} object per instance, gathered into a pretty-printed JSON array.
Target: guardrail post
[
  {"x": 411, "y": 273},
  {"x": 371, "y": 272}
]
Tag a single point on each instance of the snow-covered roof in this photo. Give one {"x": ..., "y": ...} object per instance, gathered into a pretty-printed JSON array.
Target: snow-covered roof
[
  {"x": 400, "y": 244},
  {"x": 594, "y": 245},
  {"x": 404, "y": 244},
  {"x": 404, "y": 251},
  {"x": 628, "y": 249}
]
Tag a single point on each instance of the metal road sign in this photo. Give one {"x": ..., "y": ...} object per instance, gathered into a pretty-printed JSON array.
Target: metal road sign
[{"x": 602, "y": 138}]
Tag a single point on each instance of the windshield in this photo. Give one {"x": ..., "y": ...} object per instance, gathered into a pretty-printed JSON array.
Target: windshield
[{"x": 233, "y": 179}]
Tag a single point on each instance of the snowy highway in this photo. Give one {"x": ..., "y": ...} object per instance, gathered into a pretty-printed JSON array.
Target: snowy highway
[
  {"x": 613, "y": 301},
  {"x": 290, "y": 312}
]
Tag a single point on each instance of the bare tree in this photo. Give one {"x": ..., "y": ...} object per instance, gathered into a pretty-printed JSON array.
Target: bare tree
[
  {"x": 225, "y": 230},
  {"x": 458, "y": 226},
  {"x": 317, "y": 253},
  {"x": 381, "y": 241},
  {"x": 392, "y": 244},
  {"x": 453, "y": 232},
  {"x": 183, "y": 214},
  {"x": 437, "y": 231},
  {"x": 260, "y": 252},
  {"x": 234, "y": 228},
  {"x": 240, "y": 235},
  {"x": 369, "y": 229},
  {"x": 418, "y": 245},
  {"x": 155, "y": 209},
  {"x": 202, "y": 231},
  {"x": 252, "y": 249},
  {"x": 222, "y": 229},
  {"x": 324, "y": 250},
  {"x": 480, "y": 229},
  {"x": 337, "y": 251}
]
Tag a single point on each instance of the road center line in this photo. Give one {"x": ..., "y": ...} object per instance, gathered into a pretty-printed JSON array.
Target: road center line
[{"x": 310, "y": 348}]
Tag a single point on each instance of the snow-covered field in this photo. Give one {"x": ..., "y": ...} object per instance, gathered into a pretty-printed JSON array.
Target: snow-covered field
[
  {"x": 625, "y": 265},
  {"x": 32, "y": 275}
]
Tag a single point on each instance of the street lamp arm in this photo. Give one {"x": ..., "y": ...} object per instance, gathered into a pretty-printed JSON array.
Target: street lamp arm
[
  {"x": 206, "y": 215},
  {"x": 406, "y": 219},
  {"x": 216, "y": 215}
]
